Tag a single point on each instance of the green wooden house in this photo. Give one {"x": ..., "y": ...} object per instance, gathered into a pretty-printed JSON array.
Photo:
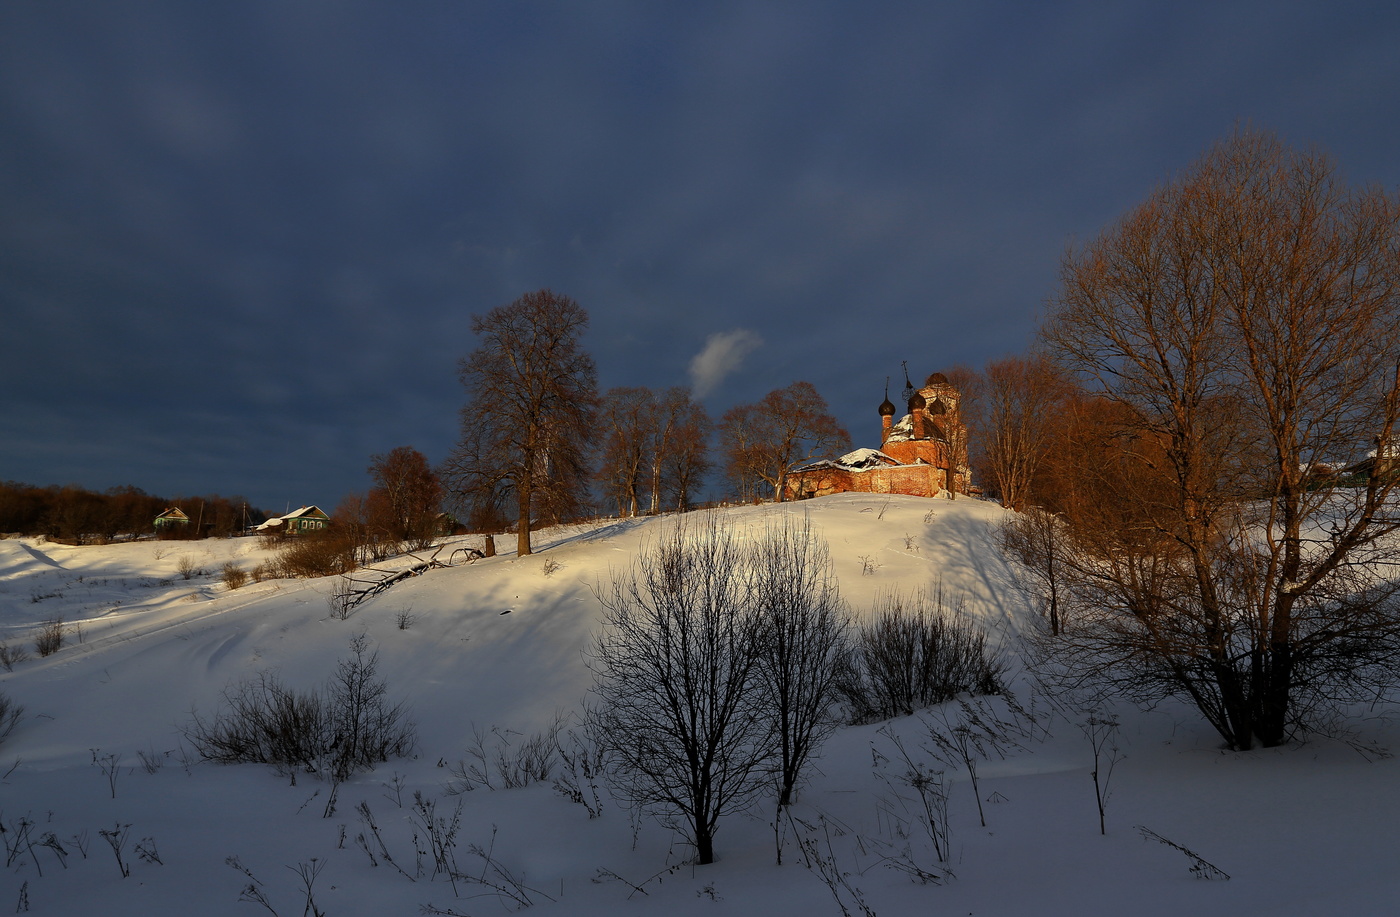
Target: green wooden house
[
  {"x": 298, "y": 522},
  {"x": 174, "y": 516}
]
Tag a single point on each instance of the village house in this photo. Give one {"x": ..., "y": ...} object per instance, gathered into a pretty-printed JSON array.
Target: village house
[
  {"x": 173, "y": 516},
  {"x": 298, "y": 522},
  {"x": 923, "y": 455}
]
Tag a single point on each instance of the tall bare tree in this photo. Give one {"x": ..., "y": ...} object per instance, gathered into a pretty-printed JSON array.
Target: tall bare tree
[
  {"x": 1022, "y": 402},
  {"x": 787, "y": 427},
  {"x": 1246, "y": 320},
  {"x": 679, "y": 448},
  {"x": 626, "y": 420},
  {"x": 408, "y": 493},
  {"x": 686, "y": 462},
  {"x": 529, "y": 419}
]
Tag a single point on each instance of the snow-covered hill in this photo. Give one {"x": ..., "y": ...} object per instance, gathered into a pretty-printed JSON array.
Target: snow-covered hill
[{"x": 500, "y": 643}]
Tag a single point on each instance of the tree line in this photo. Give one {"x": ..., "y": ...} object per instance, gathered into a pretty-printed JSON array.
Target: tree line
[
  {"x": 71, "y": 513},
  {"x": 537, "y": 436}
]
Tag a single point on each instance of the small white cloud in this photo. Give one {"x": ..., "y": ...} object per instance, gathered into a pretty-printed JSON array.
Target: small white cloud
[{"x": 721, "y": 356}]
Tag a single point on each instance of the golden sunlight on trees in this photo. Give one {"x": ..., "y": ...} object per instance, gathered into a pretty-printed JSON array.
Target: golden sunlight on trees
[
  {"x": 406, "y": 497},
  {"x": 1243, "y": 328},
  {"x": 654, "y": 449},
  {"x": 1020, "y": 402},
  {"x": 528, "y": 423},
  {"x": 765, "y": 441}
]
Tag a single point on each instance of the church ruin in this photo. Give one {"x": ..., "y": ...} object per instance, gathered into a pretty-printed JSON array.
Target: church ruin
[{"x": 923, "y": 455}]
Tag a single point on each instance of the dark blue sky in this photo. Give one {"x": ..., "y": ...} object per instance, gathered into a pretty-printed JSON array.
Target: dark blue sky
[{"x": 241, "y": 242}]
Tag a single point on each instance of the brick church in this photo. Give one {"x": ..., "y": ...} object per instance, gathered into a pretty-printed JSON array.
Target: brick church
[{"x": 923, "y": 455}]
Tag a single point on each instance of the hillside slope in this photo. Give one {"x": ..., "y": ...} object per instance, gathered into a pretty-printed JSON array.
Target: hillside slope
[{"x": 501, "y": 643}]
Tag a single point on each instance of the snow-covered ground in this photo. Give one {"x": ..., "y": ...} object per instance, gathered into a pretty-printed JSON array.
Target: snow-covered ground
[{"x": 1306, "y": 830}]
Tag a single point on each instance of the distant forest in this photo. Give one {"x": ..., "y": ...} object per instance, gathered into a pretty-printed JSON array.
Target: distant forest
[{"x": 80, "y": 516}]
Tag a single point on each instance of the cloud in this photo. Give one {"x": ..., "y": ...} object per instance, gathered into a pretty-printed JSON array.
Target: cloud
[{"x": 722, "y": 355}]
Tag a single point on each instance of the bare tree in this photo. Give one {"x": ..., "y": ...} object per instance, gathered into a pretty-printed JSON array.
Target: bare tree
[
  {"x": 1022, "y": 400},
  {"x": 627, "y": 420},
  {"x": 1036, "y": 538},
  {"x": 740, "y": 430},
  {"x": 655, "y": 446},
  {"x": 803, "y": 642},
  {"x": 787, "y": 427},
  {"x": 1246, "y": 321},
  {"x": 676, "y": 677},
  {"x": 528, "y": 422},
  {"x": 680, "y": 449},
  {"x": 410, "y": 494}
]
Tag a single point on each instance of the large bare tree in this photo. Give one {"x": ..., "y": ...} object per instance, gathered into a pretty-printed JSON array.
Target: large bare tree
[
  {"x": 1245, "y": 320},
  {"x": 529, "y": 419}
]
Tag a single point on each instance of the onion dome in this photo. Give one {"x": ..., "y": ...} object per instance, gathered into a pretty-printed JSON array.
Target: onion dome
[
  {"x": 936, "y": 379},
  {"x": 886, "y": 408},
  {"x": 938, "y": 407},
  {"x": 917, "y": 402}
]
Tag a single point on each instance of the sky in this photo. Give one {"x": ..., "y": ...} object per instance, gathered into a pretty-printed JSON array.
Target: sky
[{"x": 241, "y": 242}]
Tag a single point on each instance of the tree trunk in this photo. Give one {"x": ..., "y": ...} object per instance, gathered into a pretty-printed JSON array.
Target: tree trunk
[
  {"x": 522, "y": 525},
  {"x": 704, "y": 846}
]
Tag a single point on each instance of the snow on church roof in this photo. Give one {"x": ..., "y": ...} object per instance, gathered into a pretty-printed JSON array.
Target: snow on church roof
[{"x": 866, "y": 458}]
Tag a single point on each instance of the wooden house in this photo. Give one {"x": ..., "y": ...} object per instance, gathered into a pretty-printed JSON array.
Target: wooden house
[{"x": 300, "y": 521}]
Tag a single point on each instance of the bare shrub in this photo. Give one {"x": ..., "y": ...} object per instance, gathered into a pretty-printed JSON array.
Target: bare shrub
[
  {"x": 151, "y": 761},
  {"x": 316, "y": 555},
  {"x": 264, "y": 721},
  {"x": 342, "y": 599},
  {"x": 581, "y": 763},
  {"x": 233, "y": 575},
  {"x": 925, "y": 812},
  {"x": 50, "y": 637},
  {"x": 366, "y": 726},
  {"x": 188, "y": 567},
  {"x": 507, "y": 763},
  {"x": 917, "y": 652},
  {"x": 10, "y": 713},
  {"x": 10, "y": 656},
  {"x": 346, "y": 727}
]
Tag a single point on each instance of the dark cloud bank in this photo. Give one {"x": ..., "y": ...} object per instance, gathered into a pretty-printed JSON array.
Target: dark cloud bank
[{"x": 240, "y": 243}]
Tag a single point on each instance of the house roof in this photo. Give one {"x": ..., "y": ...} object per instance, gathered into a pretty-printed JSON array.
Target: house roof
[{"x": 306, "y": 512}]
